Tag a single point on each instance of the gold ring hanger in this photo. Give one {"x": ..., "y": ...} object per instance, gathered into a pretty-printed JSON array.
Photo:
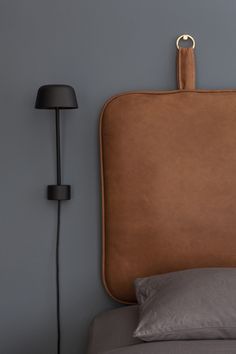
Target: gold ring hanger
[{"x": 185, "y": 37}]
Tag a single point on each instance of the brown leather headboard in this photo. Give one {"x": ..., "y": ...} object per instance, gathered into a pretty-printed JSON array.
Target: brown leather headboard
[{"x": 168, "y": 164}]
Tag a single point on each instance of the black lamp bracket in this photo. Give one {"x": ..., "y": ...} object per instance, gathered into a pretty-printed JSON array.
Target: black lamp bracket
[{"x": 59, "y": 192}]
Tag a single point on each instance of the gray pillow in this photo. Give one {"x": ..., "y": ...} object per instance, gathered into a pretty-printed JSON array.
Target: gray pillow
[{"x": 189, "y": 304}]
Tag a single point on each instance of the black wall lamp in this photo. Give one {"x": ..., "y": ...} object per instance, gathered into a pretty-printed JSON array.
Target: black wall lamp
[{"x": 57, "y": 97}]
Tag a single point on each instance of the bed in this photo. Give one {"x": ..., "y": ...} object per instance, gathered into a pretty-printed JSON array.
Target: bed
[
  {"x": 168, "y": 167},
  {"x": 111, "y": 333}
]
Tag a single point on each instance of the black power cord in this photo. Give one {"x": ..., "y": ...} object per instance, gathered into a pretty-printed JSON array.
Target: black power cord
[{"x": 58, "y": 277}]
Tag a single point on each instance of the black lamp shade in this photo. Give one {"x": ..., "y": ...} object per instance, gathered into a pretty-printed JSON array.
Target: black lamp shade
[{"x": 56, "y": 96}]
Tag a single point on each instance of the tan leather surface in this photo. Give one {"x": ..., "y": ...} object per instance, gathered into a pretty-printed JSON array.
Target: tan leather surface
[
  {"x": 186, "y": 68},
  {"x": 168, "y": 162}
]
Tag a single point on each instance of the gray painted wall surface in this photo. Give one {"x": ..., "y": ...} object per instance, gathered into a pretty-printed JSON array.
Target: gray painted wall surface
[{"x": 100, "y": 47}]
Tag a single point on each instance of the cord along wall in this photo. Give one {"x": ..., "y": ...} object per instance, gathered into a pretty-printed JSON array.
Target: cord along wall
[{"x": 99, "y": 48}]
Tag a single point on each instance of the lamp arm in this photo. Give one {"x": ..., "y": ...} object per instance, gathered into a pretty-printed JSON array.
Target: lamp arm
[
  {"x": 58, "y": 145},
  {"x": 58, "y": 191}
]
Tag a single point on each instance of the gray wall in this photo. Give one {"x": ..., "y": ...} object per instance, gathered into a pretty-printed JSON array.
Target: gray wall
[{"x": 100, "y": 47}]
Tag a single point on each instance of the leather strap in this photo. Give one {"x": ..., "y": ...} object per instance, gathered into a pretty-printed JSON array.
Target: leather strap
[{"x": 186, "y": 68}]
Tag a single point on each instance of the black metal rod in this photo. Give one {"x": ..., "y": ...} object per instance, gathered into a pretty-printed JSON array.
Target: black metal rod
[{"x": 58, "y": 146}]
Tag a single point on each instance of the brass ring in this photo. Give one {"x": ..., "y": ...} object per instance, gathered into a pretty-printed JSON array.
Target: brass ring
[{"x": 185, "y": 37}]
